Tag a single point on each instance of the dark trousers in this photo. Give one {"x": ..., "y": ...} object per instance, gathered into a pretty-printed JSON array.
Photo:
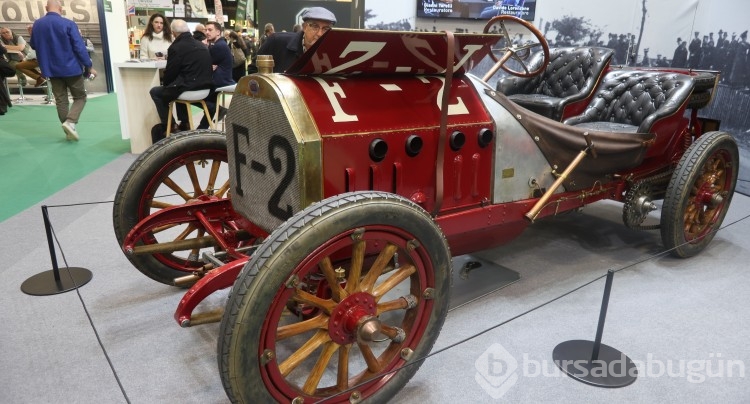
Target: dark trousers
[
  {"x": 162, "y": 96},
  {"x": 4, "y": 96}
]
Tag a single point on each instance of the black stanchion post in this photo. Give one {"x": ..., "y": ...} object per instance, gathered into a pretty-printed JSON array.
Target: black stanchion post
[
  {"x": 592, "y": 362},
  {"x": 602, "y": 315},
  {"x": 50, "y": 282}
]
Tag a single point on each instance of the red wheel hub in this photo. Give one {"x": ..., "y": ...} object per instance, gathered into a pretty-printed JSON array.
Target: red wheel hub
[{"x": 348, "y": 315}]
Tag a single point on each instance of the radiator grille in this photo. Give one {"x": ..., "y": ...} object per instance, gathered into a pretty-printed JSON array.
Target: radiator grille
[{"x": 264, "y": 161}]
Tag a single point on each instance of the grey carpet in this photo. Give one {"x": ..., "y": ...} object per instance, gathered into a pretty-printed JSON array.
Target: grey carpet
[{"x": 666, "y": 309}]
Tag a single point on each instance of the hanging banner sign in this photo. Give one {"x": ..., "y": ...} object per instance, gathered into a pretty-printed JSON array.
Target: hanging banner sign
[
  {"x": 196, "y": 9},
  {"x": 241, "y": 7},
  {"x": 80, "y": 11},
  {"x": 218, "y": 11},
  {"x": 151, "y": 4}
]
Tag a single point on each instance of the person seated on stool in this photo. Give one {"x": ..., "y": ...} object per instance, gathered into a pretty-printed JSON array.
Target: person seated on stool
[
  {"x": 221, "y": 61},
  {"x": 30, "y": 65},
  {"x": 188, "y": 68},
  {"x": 17, "y": 49}
]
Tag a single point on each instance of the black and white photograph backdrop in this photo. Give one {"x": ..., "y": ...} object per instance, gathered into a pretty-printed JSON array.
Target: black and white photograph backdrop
[{"x": 697, "y": 34}]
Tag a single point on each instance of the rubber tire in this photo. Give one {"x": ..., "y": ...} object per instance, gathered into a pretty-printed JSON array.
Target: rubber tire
[
  {"x": 253, "y": 292},
  {"x": 699, "y": 100},
  {"x": 703, "y": 81},
  {"x": 678, "y": 195},
  {"x": 126, "y": 214}
]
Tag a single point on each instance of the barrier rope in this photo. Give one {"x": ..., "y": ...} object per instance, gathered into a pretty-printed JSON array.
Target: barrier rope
[{"x": 412, "y": 363}]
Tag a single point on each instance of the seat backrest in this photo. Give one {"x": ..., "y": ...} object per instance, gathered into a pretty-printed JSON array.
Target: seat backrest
[
  {"x": 571, "y": 71},
  {"x": 637, "y": 98}
]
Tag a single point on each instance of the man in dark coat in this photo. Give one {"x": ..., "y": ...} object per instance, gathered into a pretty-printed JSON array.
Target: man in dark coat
[
  {"x": 680, "y": 57},
  {"x": 188, "y": 68},
  {"x": 5, "y": 102},
  {"x": 287, "y": 47},
  {"x": 696, "y": 52}
]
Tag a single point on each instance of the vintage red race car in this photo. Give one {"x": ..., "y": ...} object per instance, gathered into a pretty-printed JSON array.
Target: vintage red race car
[{"x": 341, "y": 190}]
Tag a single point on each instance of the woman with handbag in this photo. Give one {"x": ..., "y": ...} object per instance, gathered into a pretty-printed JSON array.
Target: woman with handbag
[{"x": 239, "y": 54}]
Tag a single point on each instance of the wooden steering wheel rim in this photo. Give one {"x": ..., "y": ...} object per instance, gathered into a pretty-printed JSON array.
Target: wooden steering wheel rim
[{"x": 513, "y": 53}]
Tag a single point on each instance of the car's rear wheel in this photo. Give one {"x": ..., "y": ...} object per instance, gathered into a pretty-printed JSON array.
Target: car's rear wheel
[
  {"x": 699, "y": 194},
  {"x": 385, "y": 265}
]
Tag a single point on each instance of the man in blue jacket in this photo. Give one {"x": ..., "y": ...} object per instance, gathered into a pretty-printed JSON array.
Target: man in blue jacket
[
  {"x": 63, "y": 59},
  {"x": 221, "y": 62}
]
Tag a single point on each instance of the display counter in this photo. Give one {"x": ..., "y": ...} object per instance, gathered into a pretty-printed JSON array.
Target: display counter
[{"x": 133, "y": 81}]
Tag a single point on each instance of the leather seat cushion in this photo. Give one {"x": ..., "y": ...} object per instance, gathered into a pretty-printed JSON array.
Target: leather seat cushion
[
  {"x": 608, "y": 127},
  {"x": 539, "y": 103}
]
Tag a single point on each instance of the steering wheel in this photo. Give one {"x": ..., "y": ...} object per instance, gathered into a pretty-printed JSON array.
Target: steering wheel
[{"x": 507, "y": 48}]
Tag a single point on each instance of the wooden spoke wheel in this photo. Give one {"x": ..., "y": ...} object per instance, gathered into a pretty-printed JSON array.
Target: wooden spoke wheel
[
  {"x": 520, "y": 39},
  {"x": 181, "y": 169},
  {"x": 386, "y": 266},
  {"x": 699, "y": 194}
]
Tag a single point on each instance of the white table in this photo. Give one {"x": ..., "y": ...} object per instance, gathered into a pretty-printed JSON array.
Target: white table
[{"x": 133, "y": 80}]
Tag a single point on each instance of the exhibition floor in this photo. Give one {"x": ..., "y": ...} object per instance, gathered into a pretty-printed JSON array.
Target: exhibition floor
[
  {"x": 41, "y": 161},
  {"x": 114, "y": 339}
]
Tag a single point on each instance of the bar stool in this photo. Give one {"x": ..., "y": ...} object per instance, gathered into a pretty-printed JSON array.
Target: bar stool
[
  {"x": 188, "y": 98},
  {"x": 20, "y": 98},
  {"x": 221, "y": 93},
  {"x": 49, "y": 99}
]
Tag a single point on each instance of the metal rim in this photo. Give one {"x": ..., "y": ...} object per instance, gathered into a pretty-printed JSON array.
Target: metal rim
[
  {"x": 150, "y": 202},
  {"x": 708, "y": 195},
  {"x": 283, "y": 376}
]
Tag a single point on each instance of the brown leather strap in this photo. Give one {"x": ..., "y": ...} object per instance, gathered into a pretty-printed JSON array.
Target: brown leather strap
[{"x": 443, "y": 138}]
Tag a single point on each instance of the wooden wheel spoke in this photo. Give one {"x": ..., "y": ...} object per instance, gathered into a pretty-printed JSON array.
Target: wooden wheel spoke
[
  {"x": 373, "y": 365},
  {"x": 378, "y": 266},
  {"x": 391, "y": 305},
  {"x": 200, "y": 234},
  {"x": 223, "y": 190},
  {"x": 177, "y": 189},
  {"x": 342, "y": 377},
  {"x": 294, "y": 360},
  {"x": 215, "y": 166},
  {"x": 189, "y": 229},
  {"x": 355, "y": 271},
  {"x": 307, "y": 298},
  {"x": 160, "y": 229},
  {"x": 320, "y": 366},
  {"x": 337, "y": 293},
  {"x": 197, "y": 191},
  {"x": 318, "y": 322},
  {"x": 398, "y": 276},
  {"x": 160, "y": 205}
]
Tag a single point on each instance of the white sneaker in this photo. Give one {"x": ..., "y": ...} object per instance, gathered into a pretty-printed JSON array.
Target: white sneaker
[{"x": 70, "y": 130}]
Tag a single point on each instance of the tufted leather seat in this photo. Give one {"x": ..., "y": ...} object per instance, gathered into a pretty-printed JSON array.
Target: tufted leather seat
[
  {"x": 631, "y": 101},
  {"x": 571, "y": 75}
]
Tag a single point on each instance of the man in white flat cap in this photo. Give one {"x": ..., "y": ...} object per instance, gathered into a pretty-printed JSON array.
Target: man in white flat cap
[{"x": 287, "y": 47}]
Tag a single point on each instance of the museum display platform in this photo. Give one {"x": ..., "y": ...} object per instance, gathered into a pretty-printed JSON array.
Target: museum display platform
[{"x": 115, "y": 340}]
